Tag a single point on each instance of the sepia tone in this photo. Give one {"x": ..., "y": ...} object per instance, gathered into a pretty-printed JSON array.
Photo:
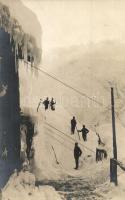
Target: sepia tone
[{"x": 62, "y": 94}]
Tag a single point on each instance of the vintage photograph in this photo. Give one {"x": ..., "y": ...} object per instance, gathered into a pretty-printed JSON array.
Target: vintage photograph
[{"x": 62, "y": 100}]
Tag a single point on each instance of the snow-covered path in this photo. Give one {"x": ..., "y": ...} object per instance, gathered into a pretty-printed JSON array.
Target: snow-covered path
[
  {"x": 57, "y": 134},
  {"x": 73, "y": 185},
  {"x": 75, "y": 188}
]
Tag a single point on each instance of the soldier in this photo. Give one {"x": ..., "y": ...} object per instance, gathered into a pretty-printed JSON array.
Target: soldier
[
  {"x": 84, "y": 131},
  {"x": 46, "y": 103},
  {"x": 73, "y": 125},
  {"x": 77, "y": 154},
  {"x": 52, "y": 104}
]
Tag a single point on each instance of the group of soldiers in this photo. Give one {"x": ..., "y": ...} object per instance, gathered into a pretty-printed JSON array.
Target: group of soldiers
[
  {"x": 77, "y": 151},
  {"x": 47, "y": 104},
  {"x": 84, "y": 130},
  {"x": 101, "y": 153}
]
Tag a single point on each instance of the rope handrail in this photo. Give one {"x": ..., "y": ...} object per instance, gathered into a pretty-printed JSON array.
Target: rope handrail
[
  {"x": 59, "y": 135},
  {"x": 83, "y": 157},
  {"x": 69, "y": 137},
  {"x": 59, "y": 141}
]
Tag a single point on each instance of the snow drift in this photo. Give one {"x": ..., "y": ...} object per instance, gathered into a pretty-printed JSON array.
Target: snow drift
[{"x": 22, "y": 186}]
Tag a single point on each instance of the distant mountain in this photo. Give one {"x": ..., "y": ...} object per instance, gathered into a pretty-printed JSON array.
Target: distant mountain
[{"x": 92, "y": 70}]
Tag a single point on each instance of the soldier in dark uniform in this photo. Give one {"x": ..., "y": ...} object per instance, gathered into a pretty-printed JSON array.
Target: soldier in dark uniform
[
  {"x": 52, "y": 104},
  {"x": 73, "y": 125},
  {"x": 46, "y": 103},
  {"x": 84, "y": 131},
  {"x": 77, "y": 154}
]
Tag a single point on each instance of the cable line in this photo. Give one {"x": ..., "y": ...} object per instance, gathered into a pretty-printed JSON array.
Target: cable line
[
  {"x": 65, "y": 84},
  {"x": 59, "y": 141},
  {"x": 58, "y": 134},
  {"x": 76, "y": 90},
  {"x": 63, "y": 144},
  {"x": 69, "y": 137}
]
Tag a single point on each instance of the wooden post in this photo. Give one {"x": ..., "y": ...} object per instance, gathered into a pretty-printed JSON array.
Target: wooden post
[{"x": 113, "y": 164}]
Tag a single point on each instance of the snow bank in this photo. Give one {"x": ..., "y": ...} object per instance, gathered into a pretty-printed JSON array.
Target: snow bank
[
  {"x": 22, "y": 186},
  {"x": 118, "y": 193}
]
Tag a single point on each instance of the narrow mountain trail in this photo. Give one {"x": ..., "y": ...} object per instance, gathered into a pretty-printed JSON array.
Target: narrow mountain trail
[{"x": 71, "y": 184}]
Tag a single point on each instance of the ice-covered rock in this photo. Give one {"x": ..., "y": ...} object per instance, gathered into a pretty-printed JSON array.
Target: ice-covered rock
[{"x": 22, "y": 186}]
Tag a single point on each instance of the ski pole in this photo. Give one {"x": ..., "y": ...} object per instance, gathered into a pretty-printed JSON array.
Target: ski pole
[
  {"x": 78, "y": 133},
  {"x": 55, "y": 156},
  {"x": 39, "y": 105}
]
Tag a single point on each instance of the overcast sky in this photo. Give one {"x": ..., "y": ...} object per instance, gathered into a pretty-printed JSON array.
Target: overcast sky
[{"x": 74, "y": 22}]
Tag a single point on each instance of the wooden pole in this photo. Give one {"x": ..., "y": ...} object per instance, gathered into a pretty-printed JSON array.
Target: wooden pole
[
  {"x": 113, "y": 163},
  {"x": 55, "y": 156},
  {"x": 78, "y": 133}
]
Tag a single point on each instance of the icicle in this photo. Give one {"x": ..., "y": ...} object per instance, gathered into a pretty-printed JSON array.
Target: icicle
[{"x": 26, "y": 42}]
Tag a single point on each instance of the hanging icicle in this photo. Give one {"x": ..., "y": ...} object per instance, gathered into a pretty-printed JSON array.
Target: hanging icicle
[{"x": 25, "y": 42}]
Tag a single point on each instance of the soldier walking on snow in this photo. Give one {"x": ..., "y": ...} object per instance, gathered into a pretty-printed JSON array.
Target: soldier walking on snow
[
  {"x": 84, "y": 131},
  {"x": 77, "y": 154},
  {"x": 46, "y": 103},
  {"x": 52, "y": 104},
  {"x": 73, "y": 125}
]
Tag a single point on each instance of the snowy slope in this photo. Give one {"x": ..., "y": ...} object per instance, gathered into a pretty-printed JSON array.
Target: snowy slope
[
  {"x": 85, "y": 71},
  {"x": 48, "y": 137},
  {"x": 63, "y": 144},
  {"x": 45, "y": 163}
]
